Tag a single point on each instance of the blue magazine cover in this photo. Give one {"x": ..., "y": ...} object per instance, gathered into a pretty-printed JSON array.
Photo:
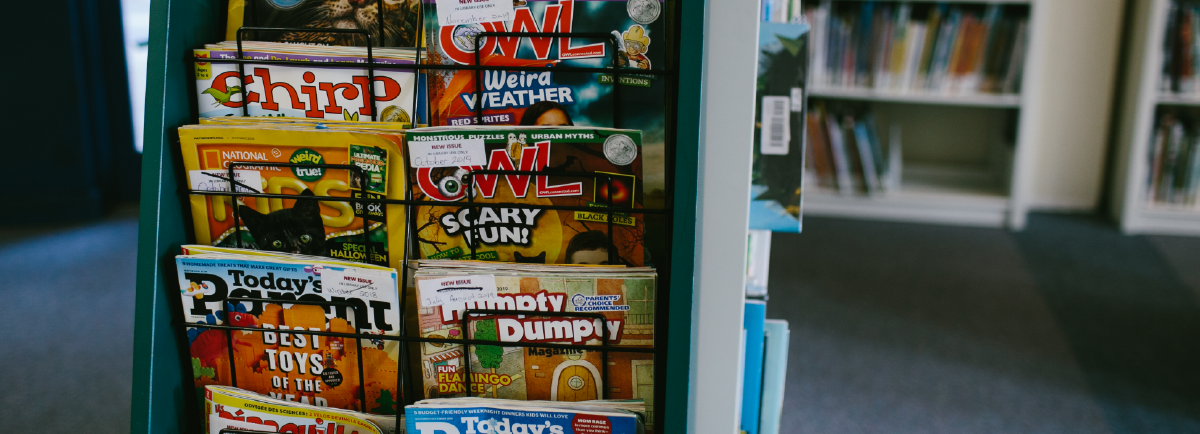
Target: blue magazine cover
[{"x": 518, "y": 417}]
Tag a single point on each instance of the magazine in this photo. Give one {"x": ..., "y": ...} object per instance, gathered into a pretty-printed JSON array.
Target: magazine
[
  {"x": 309, "y": 91},
  {"x": 462, "y": 416},
  {"x": 395, "y": 25},
  {"x": 521, "y": 234},
  {"x": 310, "y": 369},
  {"x": 780, "y": 121},
  {"x": 230, "y": 407},
  {"x": 623, "y": 296},
  {"x": 640, "y": 28},
  {"x": 328, "y": 228}
]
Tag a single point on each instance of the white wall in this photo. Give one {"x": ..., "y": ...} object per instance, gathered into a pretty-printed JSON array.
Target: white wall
[
  {"x": 1077, "y": 67},
  {"x": 727, "y": 128}
]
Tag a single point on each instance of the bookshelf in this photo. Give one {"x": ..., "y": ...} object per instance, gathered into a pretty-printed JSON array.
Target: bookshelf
[
  {"x": 965, "y": 155},
  {"x": 1144, "y": 100}
]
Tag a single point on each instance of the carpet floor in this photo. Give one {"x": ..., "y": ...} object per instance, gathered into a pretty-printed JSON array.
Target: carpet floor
[{"x": 1066, "y": 327}]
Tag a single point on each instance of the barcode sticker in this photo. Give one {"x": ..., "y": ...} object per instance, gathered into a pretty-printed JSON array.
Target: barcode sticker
[
  {"x": 797, "y": 99},
  {"x": 776, "y": 131}
]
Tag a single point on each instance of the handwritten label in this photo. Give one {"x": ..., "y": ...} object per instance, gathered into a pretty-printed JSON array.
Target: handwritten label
[
  {"x": 357, "y": 282},
  {"x": 217, "y": 180},
  {"x": 447, "y": 153},
  {"x": 457, "y": 290},
  {"x": 456, "y": 12}
]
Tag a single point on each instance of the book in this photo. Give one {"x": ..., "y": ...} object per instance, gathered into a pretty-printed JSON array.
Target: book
[
  {"x": 311, "y": 90},
  {"x": 623, "y": 296},
  {"x": 230, "y": 407},
  {"x": 758, "y": 262},
  {"x": 777, "y": 168},
  {"x": 465, "y": 416},
  {"x": 292, "y": 366},
  {"x": 752, "y": 375},
  {"x": 395, "y": 25},
  {"x": 337, "y": 229},
  {"x": 448, "y": 229},
  {"x": 867, "y": 155},
  {"x": 818, "y": 142},
  {"x": 775, "y": 357},
  {"x": 841, "y": 159}
]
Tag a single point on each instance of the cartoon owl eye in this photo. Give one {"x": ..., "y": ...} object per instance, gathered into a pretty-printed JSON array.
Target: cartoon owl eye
[
  {"x": 449, "y": 186},
  {"x": 237, "y": 317},
  {"x": 277, "y": 244},
  {"x": 305, "y": 238}
]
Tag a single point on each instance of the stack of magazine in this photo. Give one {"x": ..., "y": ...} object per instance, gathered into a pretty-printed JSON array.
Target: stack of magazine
[
  {"x": 467, "y": 415},
  {"x": 233, "y": 408},
  {"x": 611, "y": 305}
]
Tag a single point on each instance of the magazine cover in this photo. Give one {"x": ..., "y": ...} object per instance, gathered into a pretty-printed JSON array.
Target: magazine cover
[
  {"x": 778, "y": 169},
  {"x": 230, "y": 407},
  {"x": 554, "y": 98},
  {"x": 305, "y": 91},
  {"x": 309, "y": 369},
  {"x": 528, "y": 235},
  {"x": 319, "y": 228},
  {"x": 392, "y": 23},
  {"x": 496, "y": 416},
  {"x": 624, "y": 296}
]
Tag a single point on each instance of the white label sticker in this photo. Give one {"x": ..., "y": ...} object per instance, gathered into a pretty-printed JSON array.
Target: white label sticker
[
  {"x": 216, "y": 423},
  {"x": 357, "y": 283},
  {"x": 456, "y": 12},
  {"x": 456, "y": 290},
  {"x": 797, "y": 99},
  {"x": 216, "y": 180},
  {"x": 447, "y": 153},
  {"x": 776, "y": 131}
]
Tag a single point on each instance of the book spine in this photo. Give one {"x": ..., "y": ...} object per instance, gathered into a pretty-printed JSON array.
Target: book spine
[
  {"x": 818, "y": 143},
  {"x": 1168, "y": 67},
  {"x": 1016, "y": 62},
  {"x": 1166, "y": 187},
  {"x": 932, "y": 27},
  {"x": 840, "y": 159},
  {"x": 1156, "y": 157},
  {"x": 916, "y": 40},
  {"x": 865, "y": 155}
]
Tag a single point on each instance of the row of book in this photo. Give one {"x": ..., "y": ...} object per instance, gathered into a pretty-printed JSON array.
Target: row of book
[
  {"x": 1181, "y": 49},
  {"x": 848, "y": 154},
  {"x": 1174, "y": 172},
  {"x": 907, "y": 47},
  {"x": 782, "y": 11},
  {"x": 238, "y": 409}
]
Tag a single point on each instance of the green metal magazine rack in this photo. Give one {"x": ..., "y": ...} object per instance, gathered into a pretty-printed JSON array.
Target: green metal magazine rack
[{"x": 161, "y": 401}]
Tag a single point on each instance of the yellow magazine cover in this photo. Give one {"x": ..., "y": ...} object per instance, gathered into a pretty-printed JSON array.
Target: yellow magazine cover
[{"x": 311, "y": 227}]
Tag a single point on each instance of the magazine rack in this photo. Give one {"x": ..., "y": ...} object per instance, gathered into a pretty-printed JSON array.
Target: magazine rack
[{"x": 161, "y": 365}]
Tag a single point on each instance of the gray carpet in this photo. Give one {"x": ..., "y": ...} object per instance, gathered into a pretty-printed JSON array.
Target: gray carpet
[
  {"x": 66, "y": 334},
  {"x": 1067, "y": 327}
]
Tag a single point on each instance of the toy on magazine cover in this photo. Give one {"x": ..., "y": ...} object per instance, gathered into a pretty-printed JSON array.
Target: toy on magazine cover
[
  {"x": 301, "y": 225},
  {"x": 512, "y": 234},
  {"x": 305, "y": 368}
]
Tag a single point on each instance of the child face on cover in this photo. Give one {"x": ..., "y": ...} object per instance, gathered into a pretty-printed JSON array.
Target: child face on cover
[
  {"x": 590, "y": 257},
  {"x": 554, "y": 118}
]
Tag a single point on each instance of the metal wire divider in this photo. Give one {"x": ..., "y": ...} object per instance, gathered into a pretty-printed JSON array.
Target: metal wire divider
[{"x": 409, "y": 395}]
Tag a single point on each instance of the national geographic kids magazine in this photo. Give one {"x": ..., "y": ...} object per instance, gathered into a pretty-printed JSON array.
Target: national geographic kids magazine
[
  {"x": 625, "y": 297},
  {"x": 312, "y": 90},
  {"x": 329, "y": 228},
  {"x": 443, "y": 158},
  {"x": 311, "y": 369}
]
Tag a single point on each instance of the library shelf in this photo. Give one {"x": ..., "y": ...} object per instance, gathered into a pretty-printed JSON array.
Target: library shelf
[
  {"x": 927, "y": 194},
  {"x": 918, "y": 97},
  {"x": 1005, "y": 2},
  {"x": 1164, "y": 220},
  {"x": 1186, "y": 100}
]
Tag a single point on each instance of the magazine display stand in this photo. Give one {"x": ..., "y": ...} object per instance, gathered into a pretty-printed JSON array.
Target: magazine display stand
[{"x": 162, "y": 402}]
